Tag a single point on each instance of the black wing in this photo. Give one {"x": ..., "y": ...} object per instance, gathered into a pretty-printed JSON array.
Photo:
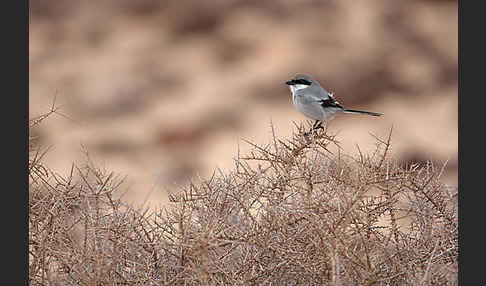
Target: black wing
[{"x": 330, "y": 102}]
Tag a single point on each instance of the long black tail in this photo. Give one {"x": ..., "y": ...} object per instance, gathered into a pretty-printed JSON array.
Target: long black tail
[{"x": 363, "y": 112}]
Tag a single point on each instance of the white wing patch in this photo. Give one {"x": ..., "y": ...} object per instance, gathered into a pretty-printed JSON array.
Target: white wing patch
[{"x": 331, "y": 95}]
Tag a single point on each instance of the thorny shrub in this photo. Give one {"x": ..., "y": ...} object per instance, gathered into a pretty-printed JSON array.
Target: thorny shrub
[{"x": 290, "y": 213}]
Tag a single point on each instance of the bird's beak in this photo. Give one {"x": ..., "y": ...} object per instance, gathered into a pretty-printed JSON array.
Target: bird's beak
[{"x": 289, "y": 82}]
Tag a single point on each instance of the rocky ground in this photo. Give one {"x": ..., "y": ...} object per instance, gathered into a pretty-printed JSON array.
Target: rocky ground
[{"x": 163, "y": 92}]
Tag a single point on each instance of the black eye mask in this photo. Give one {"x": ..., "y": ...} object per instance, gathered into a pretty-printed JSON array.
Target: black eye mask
[{"x": 298, "y": 81}]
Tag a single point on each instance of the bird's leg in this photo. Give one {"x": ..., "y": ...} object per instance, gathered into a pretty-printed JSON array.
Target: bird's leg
[{"x": 317, "y": 125}]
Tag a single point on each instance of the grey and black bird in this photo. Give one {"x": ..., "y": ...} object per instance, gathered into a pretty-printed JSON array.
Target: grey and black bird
[{"x": 312, "y": 100}]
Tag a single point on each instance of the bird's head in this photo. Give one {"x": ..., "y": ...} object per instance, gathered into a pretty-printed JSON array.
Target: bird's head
[{"x": 300, "y": 81}]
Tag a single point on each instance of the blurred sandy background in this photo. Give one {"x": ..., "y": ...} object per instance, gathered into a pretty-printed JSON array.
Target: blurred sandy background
[{"x": 162, "y": 91}]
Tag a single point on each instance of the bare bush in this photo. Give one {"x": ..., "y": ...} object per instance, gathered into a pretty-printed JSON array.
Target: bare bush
[{"x": 290, "y": 213}]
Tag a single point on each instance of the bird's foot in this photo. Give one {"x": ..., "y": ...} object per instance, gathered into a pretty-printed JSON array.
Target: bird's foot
[{"x": 315, "y": 127}]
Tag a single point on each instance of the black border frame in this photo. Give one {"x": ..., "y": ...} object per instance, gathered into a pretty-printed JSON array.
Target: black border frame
[{"x": 15, "y": 88}]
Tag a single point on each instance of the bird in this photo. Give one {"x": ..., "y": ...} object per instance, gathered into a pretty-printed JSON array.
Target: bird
[{"x": 312, "y": 100}]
